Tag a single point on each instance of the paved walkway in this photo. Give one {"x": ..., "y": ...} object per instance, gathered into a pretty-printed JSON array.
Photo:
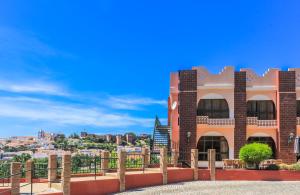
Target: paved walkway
[{"x": 224, "y": 188}]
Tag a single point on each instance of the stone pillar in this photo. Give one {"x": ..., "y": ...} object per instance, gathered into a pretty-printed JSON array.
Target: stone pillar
[
  {"x": 29, "y": 170},
  {"x": 194, "y": 162},
  {"x": 174, "y": 157},
  {"x": 187, "y": 112},
  {"x": 15, "y": 171},
  {"x": 164, "y": 164},
  {"x": 146, "y": 155},
  {"x": 66, "y": 174},
  {"x": 212, "y": 164},
  {"x": 104, "y": 161},
  {"x": 240, "y": 112},
  {"x": 122, "y": 169},
  {"x": 286, "y": 115},
  {"x": 52, "y": 169}
]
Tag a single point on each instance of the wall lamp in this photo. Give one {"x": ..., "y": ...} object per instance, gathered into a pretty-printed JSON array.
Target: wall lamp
[
  {"x": 290, "y": 138},
  {"x": 188, "y": 135}
]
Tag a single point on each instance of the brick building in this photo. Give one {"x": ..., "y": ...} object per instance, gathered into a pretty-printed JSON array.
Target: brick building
[{"x": 227, "y": 110}]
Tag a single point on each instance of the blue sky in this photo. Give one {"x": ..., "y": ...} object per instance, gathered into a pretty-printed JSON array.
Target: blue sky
[{"x": 104, "y": 65}]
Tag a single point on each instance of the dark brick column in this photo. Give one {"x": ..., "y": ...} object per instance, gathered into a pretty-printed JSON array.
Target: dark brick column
[
  {"x": 287, "y": 114},
  {"x": 240, "y": 111},
  {"x": 187, "y": 110}
]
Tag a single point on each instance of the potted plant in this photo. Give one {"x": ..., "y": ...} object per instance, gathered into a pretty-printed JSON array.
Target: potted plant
[{"x": 252, "y": 154}]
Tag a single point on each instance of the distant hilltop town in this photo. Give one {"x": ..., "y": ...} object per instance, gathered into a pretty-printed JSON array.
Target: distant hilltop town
[{"x": 45, "y": 143}]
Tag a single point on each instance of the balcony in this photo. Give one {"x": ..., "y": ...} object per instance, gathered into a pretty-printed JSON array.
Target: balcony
[
  {"x": 261, "y": 123},
  {"x": 215, "y": 121},
  {"x": 230, "y": 121}
]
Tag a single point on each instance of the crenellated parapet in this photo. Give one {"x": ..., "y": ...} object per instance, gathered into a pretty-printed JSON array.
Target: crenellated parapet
[
  {"x": 206, "y": 79},
  {"x": 267, "y": 80},
  {"x": 297, "y": 71}
]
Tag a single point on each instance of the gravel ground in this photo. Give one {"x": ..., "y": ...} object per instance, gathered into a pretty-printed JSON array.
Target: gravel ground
[{"x": 224, "y": 188}]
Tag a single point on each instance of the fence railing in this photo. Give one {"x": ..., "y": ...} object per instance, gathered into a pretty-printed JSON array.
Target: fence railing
[
  {"x": 261, "y": 123},
  {"x": 40, "y": 170},
  {"x": 134, "y": 161},
  {"x": 4, "y": 169},
  {"x": 214, "y": 121},
  {"x": 94, "y": 165},
  {"x": 6, "y": 182},
  {"x": 154, "y": 158}
]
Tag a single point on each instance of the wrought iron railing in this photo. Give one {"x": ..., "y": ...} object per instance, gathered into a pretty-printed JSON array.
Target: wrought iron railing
[
  {"x": 154, "y": 157},
  {"x": 40, "y": 170},
  {"x": 6, "y": 182},
  {"x": 4, "y": 169}
]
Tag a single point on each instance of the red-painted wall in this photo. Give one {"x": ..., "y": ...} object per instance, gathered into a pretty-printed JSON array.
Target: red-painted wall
[
  {"x": 203, "y": 174},
  {"x": 143, "y": 180},
  {"x": 95, "y": 187},
  {"x": 179, "y": 175},
  {"x": 4, "y": 191},
  {"x": 257, "y": 175}
]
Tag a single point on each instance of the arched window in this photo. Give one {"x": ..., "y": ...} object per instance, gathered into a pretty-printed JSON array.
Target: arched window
[
  {"x": 264, "y": 140},
  {"x": 262, "y": 109},
  {"x": 219, "y": 143},
  {"x": 298, "y": 108},
  {"x": 213, "y": 108}
]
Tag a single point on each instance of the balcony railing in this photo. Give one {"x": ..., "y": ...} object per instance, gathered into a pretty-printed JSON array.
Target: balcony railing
[
  {"x": 261, "y": 123},
  {"x": 214, "y": 121}
]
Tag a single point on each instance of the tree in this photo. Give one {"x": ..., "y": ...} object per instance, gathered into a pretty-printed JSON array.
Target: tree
[
  {"x": 254, "y": 153},
  {"x": 21, "y": 158}
]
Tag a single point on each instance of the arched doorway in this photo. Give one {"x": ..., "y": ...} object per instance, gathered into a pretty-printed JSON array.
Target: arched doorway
[
  {"x": 264, "y": 140},
  {"x": 219, "y": 143}
]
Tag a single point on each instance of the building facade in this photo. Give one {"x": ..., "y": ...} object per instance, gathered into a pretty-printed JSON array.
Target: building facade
[{"x": 227, "y": 110}]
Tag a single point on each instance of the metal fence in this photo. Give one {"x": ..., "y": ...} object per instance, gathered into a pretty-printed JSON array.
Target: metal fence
[
  {"x": 40, "y": 170},
  {"x": 184, "y": 158},
  {"x": 4, "y": 169},
  {"x": 154, "y": 158},
  {"x": 135, "y": 161},
  {"x": 6, "y": 182}
]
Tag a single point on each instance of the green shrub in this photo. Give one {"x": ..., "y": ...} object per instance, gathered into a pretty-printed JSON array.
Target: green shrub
[
  {"x": 254, "y": 153},
  {"x": 296, "y": 167},
  {"x": 292, "y": 167},
  {"x": 272, "y": 167}
]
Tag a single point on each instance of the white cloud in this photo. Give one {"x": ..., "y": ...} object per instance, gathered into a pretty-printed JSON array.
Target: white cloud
[
  {"x": 65, "y": 114},
  {"x": 132, "y": 103},
  {"x": 35, "y": 87}
]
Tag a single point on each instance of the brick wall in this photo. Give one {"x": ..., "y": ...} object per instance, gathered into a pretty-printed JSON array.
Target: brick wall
[
  {"x": 187, "y": 109},
  {"x": 286, "y": 114},
  {"x": 240, "y": 111}
]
